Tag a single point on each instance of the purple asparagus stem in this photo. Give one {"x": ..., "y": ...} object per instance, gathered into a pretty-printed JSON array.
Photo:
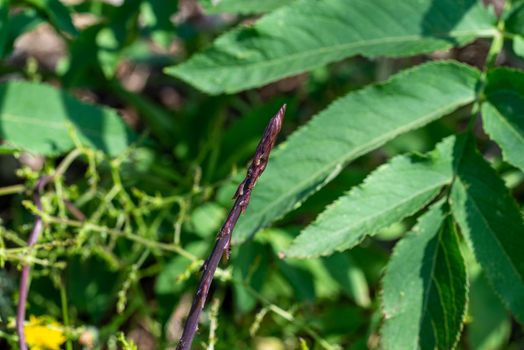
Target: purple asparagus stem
[
  {"x": 26, "y": 269},
  {"x": 223, "y": 243}
]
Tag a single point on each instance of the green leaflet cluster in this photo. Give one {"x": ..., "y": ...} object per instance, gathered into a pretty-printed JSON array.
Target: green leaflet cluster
[{"x": 479, "y": 203}]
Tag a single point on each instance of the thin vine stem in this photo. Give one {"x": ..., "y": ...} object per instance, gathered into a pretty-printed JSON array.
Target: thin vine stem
[
  {"x": 26, "y": 269},
  {"x": 33, "y": 238},
  {"x": 223, "y": 243},
  {"x": 13, "y": 189}
]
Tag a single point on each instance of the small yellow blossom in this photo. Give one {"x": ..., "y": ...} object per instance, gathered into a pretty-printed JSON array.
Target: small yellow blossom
[{"x": 41, "y": 334}]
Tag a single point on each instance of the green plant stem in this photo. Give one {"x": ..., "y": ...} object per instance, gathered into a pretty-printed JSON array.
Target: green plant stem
[
  {"x": 213, "y": 316},
  {"x": 117, "y": 233},
  {"x": 43, "y": 246},
  {"x": 65, "y": 311},
  {"x": 497, "y": 44},
  {"x": 66, "y": 162},
  {"x": 14, "y": 189},
  {"x": 26, "y": 269},
  {"x": 30, "y": 260}
]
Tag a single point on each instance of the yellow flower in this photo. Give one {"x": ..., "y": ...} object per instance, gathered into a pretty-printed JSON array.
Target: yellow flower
[{"x": 41, "y": 334}]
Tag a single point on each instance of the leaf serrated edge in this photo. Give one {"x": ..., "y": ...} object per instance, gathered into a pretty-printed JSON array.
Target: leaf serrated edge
[{"x": 434, "y": 155}]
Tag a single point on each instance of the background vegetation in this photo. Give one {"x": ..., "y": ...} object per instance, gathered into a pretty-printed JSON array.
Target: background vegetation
[{"x": 389, "y": 217}]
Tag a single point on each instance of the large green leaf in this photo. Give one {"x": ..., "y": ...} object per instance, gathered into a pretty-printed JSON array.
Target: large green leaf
[
  {"x": 503, "y": 113},
  {"x": 38, "y": 118},
  {"x": 242, "y": 6},
  {"x": 352, "y": 126},
  {"x": 309, "y": 34},
  {"x": 493, "y": 225},
  {"x": 394, "y": 191},
  {"x": 425, "y": 288}
]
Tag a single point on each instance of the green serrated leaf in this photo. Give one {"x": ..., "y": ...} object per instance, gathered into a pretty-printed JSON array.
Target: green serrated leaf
[
  {"x": 493, "y": 225},
  {"x": 394, "y": 191},
  {"x": 425, "y": 287},
  {"x": 242, "y": 6},
  {"x": 503, "y": 113},
  {"x": 352, "y": 126},
  {"x": 309, "y": 34},
  {"x": 39, "y": 118}
]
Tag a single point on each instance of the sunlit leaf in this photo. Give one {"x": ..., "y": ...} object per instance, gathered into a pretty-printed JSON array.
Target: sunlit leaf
[
  {"x": 41, "y": 119},
  {"x": 309, "y": 34}
]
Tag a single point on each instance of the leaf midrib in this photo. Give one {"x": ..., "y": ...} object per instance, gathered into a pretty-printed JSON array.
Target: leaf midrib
[{"x": 342, "y": 47}]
